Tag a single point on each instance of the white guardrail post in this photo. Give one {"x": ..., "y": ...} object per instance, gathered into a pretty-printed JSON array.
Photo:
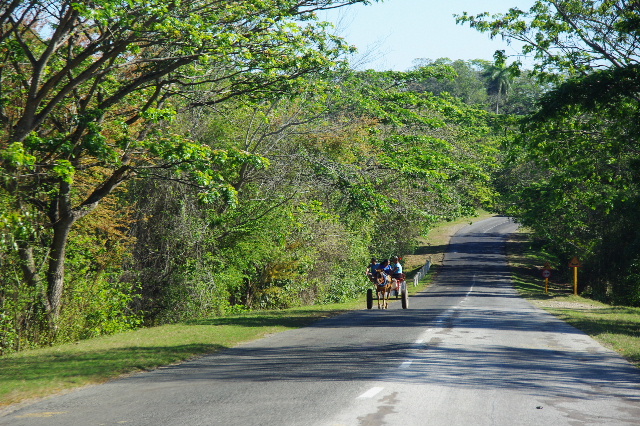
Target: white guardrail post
[{"x": 421, "y": 273}]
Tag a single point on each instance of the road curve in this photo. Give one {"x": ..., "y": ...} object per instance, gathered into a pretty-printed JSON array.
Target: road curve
[{"x": 469, "y": 351}]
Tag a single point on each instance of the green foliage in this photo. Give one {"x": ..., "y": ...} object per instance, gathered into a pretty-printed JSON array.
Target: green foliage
[
  {"x": 599, "y": 90},
  {"x": 490, "y": 86},
  {"x": 96, "y": 307},
  {"x": 606, "y": 181},
  {"x": 574, "y": 169},
  {"x": 89, "y": 91},
  {"x": 568, "y": 36},
  {"x": 269, "y": 172},
  {"x": 351, "y": 172},
  {"x": 467, "y": 84},
  {"x": 18, "y": 313},
  {"x": 582, "y": 193},
  {"x": 16, "y": 155},
  {"x": 499, "y": 77}
]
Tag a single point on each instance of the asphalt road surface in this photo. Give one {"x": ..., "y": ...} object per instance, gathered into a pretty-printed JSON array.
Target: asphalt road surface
[{"x": 468, "y": 351}]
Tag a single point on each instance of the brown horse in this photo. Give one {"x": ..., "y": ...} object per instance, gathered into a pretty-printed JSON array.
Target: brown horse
[{"x": 384, "y": 285}]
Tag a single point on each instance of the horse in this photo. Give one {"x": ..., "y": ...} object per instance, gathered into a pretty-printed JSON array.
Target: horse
[{"x": 384, "y": 285}]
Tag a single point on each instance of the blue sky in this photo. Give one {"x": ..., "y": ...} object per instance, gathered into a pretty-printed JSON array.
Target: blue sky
[{"x": 396, "y": 32}]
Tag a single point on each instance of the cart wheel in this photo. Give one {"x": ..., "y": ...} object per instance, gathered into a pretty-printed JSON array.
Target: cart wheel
[
  {"x": 405, "y": 299},
  {"x": 369, "y": 298}
]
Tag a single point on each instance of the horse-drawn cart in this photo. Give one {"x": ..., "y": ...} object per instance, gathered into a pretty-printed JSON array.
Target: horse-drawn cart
[{"x": 385, "y": 286}]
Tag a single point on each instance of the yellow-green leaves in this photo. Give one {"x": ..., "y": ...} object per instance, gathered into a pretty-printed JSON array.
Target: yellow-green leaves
[
  {"x": 158, "y": 114},
  {"x": 16, "y": 155},
  {"x": 64, "y": 170}
]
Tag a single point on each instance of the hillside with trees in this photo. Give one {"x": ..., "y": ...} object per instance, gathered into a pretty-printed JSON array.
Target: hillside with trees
[{"x": 163, "y": 161}]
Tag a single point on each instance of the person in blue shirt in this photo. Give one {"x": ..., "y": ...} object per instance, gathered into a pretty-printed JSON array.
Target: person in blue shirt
[
  {"x": 371, "y": 269},
  {"x": 396, "y": 268},
  {"x": 385, "y": 266}
]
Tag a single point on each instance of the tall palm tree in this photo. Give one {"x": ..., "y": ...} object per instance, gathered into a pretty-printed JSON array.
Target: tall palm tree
[
  {"x": 499, "y": 77},
  {"x": 498, "y": 83}
]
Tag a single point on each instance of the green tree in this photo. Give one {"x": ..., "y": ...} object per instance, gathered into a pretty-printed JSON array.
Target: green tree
[
  {"x": 499, "y": 77},
  {"x": 272, "y": 249},
  {"x": 429, "y": 151},
  {"x": 586, "y": 145},
  {"x": 87, "y": 87},
  {"x": 569, "y": 36},
  {"x": 525, "y": 92},
  {"x": 472, "y": 85},
  {"x": 468, "y": 85},
  {"x": 577, "y": 158}
]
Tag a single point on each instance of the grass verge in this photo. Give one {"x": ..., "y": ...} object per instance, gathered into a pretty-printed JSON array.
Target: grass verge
[
  {"x": 615, "y": 327},
  {"x": 40, "y": 372},
  {"x": 37, "y": 373}
]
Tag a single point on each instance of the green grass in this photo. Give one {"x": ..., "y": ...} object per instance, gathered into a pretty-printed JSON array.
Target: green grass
[
  {"x": 616, "y": 327},
  {"x": 37, "y": 373},
  {"x": 40, "y": 372}
]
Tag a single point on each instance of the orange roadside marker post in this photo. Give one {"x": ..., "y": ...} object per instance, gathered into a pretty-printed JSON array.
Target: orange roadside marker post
[{"x": 575, "y": 264}]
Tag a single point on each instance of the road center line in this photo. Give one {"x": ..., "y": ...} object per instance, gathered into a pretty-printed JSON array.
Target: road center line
[
  {"x": 371, "y": 392},
  {"x": 473, "y": 283}
]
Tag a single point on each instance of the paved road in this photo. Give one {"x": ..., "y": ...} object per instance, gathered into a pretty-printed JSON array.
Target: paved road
[{"x": 469, "y": 351}]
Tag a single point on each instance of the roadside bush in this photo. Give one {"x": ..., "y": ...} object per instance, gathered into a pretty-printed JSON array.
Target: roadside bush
[{"x": 97, "y": 306}]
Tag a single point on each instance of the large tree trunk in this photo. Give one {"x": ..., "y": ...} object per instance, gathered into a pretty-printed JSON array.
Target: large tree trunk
[
  {"x": 62, "y": 217},
  {"x": 55, "y": 272}
]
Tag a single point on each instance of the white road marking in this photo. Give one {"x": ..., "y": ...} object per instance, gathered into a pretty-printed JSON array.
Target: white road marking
[
  {"x": 508, "y": 220},
  {"x": 471, "y": 289},
  {"x": 371, "y": 392}
]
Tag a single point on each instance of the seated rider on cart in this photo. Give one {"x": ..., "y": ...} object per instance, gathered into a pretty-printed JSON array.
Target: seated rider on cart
[
  {"x": 396, "y": 268},
  {"x": 371, "y": 269},
  {"x": 393, "y": 268},
  {"x": 396, "y": 273},
  {"x": 374, "y": 268},
  {"x": 385, "y": 267}
]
